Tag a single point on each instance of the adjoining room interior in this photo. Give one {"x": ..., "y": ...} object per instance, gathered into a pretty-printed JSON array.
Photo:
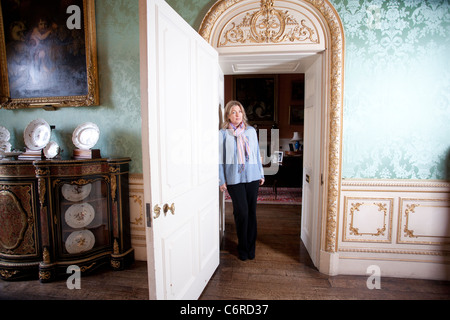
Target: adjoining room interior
[{"x": 274, "y": 105}]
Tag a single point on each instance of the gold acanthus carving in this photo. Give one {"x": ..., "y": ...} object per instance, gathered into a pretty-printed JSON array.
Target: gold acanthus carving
[
  {"x": 409, "y": 209},
  {"x": 140, "y": 219},
  {"x": 269, "y": 25},
  {"x": 80, "y": 182}
]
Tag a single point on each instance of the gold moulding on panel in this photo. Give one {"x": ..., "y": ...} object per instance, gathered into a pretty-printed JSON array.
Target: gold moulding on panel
[
  {"x": 269, "y": 25},
  {"x": 409, "y": 209},
  {"x": 380, "y": 231}
]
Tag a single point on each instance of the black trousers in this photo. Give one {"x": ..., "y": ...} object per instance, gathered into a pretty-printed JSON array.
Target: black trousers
[{"x": 244, "y": 197}]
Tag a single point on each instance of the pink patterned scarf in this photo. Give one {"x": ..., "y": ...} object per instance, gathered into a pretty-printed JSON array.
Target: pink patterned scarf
[{"x": 243, "y": 145}]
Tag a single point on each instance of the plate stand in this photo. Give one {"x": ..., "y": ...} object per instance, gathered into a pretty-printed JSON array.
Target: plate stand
[
  {"x": 86, "y": 154},
  {"x": 32, "y": 155}
]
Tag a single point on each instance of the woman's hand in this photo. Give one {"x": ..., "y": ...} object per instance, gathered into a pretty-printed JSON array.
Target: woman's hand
[
  {"x": 261, "y": 182},
  {"x": 223, "y": 187}
]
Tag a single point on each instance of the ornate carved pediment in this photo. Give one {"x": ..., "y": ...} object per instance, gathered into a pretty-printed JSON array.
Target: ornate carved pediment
[{"x": 268, "y": 25}]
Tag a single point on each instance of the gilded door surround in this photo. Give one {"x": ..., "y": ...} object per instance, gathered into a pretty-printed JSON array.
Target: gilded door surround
[{"x": 334, "y": 60}]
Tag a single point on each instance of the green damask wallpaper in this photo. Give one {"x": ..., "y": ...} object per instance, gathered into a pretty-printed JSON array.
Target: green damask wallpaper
[
  {"x": 397, "y": 86},
  {"x": 119, "y": 113},
  {"x": 397, "y": 89}
]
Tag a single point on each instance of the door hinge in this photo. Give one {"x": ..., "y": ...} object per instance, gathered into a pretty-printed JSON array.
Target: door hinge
[
  {"x": 148, "y": 214},
  {"x": 321, "y": 179}
]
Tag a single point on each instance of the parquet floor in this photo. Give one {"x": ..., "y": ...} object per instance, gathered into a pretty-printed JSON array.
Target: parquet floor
[{"x": 282, "y": 269}]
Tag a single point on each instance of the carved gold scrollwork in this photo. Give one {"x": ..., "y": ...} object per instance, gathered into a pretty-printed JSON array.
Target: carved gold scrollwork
[
  {"x": 42, "y": 189},
  {"x": 269, "y": 25},
  {"x": 355, "y": 207},
  {"x": 139, "y": 220},
  {"x": 382, "y": 207},
  {"x": 46, "y": 256},
  {"x": 409, "y": 209},
  {"x": 6, "y": 274},
  {"x": 85, "y": 268}
]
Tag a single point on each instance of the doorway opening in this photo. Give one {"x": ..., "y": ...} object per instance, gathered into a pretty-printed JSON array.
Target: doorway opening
[
  {"x": 273, "y": 102},
  {"x": 302, "y": 169},
  {"x": 309, "y": 35}
]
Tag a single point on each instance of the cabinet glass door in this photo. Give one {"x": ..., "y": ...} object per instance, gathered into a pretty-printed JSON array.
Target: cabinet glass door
[{"x": 84, "y": 216}]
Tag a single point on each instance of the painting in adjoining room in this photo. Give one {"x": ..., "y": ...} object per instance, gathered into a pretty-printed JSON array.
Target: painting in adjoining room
[{"x": 258, "y": 95}]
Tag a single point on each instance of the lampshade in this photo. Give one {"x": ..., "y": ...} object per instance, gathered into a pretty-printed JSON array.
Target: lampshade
[{"x": 296, "y": 137}]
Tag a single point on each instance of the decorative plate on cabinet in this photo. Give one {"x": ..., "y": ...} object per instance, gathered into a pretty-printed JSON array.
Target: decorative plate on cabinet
[
  {"x": 51, "y": 150},
  {"x": 4, "y": 134},
  {"x": 86, "y": 136},
  {"x": 37, "y": 134},
  {"x": 79, "y": 215},
  {"x": 5, "y": 146},
  {"x": 80, "y": 241},
  {"x": 74, "y": 192}
]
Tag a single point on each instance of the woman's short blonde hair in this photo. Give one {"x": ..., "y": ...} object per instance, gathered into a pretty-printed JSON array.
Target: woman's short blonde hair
[{"x": 227, "y": 112}]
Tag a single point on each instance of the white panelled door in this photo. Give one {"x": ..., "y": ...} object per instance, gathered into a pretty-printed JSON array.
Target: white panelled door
[
  {"x": 180, "y": 156},
  {"x": 311, "y": 160}
]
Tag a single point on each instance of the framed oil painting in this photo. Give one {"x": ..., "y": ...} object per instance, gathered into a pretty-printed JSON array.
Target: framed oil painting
[
  {"x": 296, "y": 114},
  {"x": 48, "y": 54},
  {"x": 258, "y": 94}
]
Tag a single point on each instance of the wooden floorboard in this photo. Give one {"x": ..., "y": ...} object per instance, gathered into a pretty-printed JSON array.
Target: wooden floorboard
[{"x": 282, "y": 270}]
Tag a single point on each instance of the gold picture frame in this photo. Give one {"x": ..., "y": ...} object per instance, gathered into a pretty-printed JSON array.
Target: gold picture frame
[
  {"x": 48, "y": 54},
  {"x": 259, "y": 97}
]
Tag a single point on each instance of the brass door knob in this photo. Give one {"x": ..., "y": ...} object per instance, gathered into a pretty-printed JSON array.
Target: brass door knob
[
  {"x": 167, "y": 208},
  {"x": 157, "y": 211}
]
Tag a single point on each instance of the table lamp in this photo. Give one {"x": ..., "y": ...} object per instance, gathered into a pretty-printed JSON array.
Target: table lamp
[{"x": 296, "y": 138}]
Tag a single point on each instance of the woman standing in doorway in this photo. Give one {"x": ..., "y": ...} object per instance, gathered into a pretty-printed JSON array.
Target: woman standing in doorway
[{"x": 241, "y": 173}]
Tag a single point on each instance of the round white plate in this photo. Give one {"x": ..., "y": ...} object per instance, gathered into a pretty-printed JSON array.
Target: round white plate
[
  {"x": 73, "y": 192},
  {"x": 79, "y": 215},
  {"x": 85, "y": 136},
  {"x": 51, "y": 150},
  {"x": 4, "y": 134},
  {"x": 80, "y": 241},
  {"x": 37, "y": 134}
]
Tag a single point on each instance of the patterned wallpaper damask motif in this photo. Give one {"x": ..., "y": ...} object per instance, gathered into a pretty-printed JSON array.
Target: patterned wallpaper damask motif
[
  {"x": 397, "y": 89},
  {"x": 397, "y": 86}
]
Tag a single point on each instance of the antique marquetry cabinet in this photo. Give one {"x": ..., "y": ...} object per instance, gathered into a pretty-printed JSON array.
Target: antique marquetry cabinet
[{"x": 59, "y": 213}]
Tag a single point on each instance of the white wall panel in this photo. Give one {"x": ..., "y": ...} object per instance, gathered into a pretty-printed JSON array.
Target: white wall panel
[{"x": 403, "y": 226}]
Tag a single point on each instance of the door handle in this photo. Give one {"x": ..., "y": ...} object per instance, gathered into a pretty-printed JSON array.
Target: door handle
[
  {"x": 157, "y": 211},
  {"x": 167, "y": 208}
]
